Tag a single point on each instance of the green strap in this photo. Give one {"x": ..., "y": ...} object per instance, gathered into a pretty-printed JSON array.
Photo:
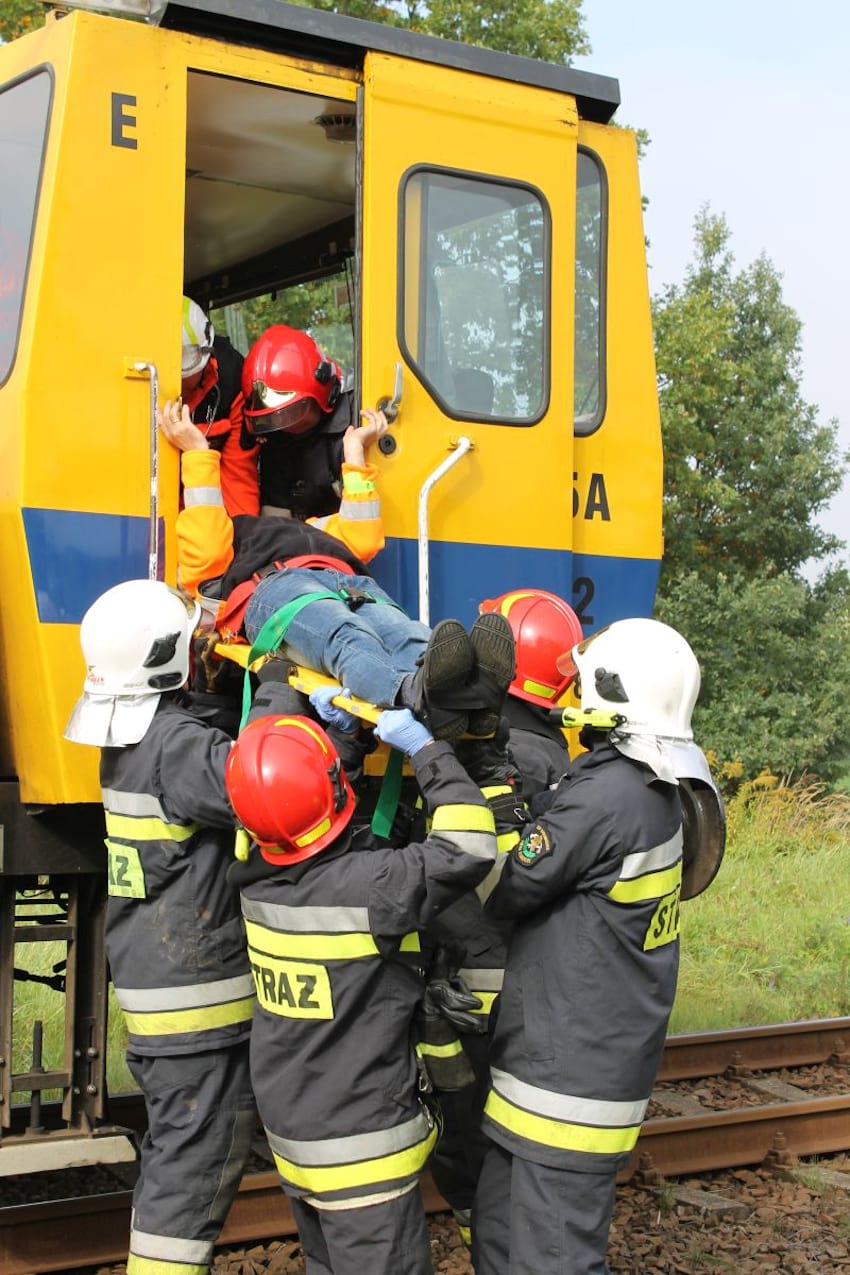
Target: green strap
[
  {"x": 270, "y": 637},
  {"x": 387, "y": 804}
]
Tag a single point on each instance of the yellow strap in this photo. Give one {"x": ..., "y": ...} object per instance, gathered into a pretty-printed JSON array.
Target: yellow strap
[
  {"x": 302, "y": 679},
  {"x": 307, "y": 680}
]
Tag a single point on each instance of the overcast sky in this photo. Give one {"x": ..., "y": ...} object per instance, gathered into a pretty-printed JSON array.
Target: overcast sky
[{"x": 747, "y": 103}]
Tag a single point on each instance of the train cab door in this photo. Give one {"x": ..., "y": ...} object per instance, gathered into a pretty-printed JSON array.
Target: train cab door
[{"x": 468, "y": 230}]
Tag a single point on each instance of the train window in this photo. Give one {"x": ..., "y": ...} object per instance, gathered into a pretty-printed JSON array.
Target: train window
[
  {"x": 24, "y": 111},
  {"x": 474, "y": 296},
  {"x": 591, "y": 207}
]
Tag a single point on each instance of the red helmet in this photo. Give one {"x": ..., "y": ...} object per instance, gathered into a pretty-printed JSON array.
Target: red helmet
[
  {"x": 287, "y": 382},
  {"x": 287, "y": 786},
  {"x": 544, "y": 627}
]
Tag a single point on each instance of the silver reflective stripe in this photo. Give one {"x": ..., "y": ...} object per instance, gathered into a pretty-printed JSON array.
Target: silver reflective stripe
[
  {"x": 490, "y": 980},
  {"x": 143, "y": 1000},
  {"x": 132, "y": 803},
  {"x": 167, "y": 1248},
  {"x": 353, "y": 1149},
  {"x": 486, "y": 887},
  {"x": 481, "y": 845},
  {"x": 202, "y": 496},
  {"x": 600, "y": 1114},
  {"x": 276, "y": 916},
  {"x": 654, "y": 860},
  {"x": 361, "y": 1201},
  {"x": 358, "y": 510}
]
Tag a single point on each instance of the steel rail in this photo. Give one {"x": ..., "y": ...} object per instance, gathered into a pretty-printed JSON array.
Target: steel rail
[
  {"x": 61, "y": 1235},
  {"x": 680, "y": 1145},
  {"x": 691, "y": 1057}
]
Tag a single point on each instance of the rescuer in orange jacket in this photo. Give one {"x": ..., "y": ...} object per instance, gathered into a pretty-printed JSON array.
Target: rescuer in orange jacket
[{"x": 211, "y": 389}]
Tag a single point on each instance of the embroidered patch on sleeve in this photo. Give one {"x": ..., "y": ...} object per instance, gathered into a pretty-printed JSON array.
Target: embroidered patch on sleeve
[{"x": 533, "y": 847}]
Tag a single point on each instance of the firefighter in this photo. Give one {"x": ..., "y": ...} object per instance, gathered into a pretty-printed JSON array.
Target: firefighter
[
  {"x": 174, "y": 934},
  {"x": 592, "y": 891},
  {"x": 527, "y": 757},
  {"x": 211, "y": 388},
  {"x": 544, "y": 628},
  {"x": 334, "y": 927},
  {"x": 298, "y": 406}
]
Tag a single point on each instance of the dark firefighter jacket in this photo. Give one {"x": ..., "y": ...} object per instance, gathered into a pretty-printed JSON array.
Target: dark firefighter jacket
[
  {"x": 538, "y": 747},
  {"x": 174, "y": 935},
  {"x": 335, "y": 951},
  {"x": 593, "y": 892},
  {"x": 301, "y": 474},
  {"x": 476, "y": 940}
]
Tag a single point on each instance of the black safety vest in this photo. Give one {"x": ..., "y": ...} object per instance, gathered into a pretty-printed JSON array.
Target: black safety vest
[{"x": 303, "y": 472}]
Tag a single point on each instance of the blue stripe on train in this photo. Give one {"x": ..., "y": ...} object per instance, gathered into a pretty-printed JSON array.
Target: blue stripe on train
[
  {"x": 75, "y": 556},
  {"x": 460, "y": 575}
]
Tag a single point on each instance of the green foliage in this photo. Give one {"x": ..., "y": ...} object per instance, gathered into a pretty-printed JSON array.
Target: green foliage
[
  {"x": 748, "y": 468},
  {"x": 552, "y": 30},
  {"x": 548, "y": 29},
  {"x": 321, "y": 307},
  {"x": 773, "y": 930},
  {"x": 747, "y": 465},
  {"x": 20, "y": 16},
  {"x": 775, "y": 659}
]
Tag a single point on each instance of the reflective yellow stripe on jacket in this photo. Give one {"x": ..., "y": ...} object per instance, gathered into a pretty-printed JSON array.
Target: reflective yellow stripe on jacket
[
  {"x": 649, "y": 874},
  {"x": 167, "y": 1011}
]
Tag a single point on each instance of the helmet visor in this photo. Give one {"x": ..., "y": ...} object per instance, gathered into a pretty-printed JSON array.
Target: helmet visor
[
  {"x": 293, "y": 418},
  {"x": 194, "y": 359},
  {"x": 568, "y": 668}
]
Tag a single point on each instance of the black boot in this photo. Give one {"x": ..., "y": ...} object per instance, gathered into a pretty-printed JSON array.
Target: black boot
[
  {"x": 495, "y": 657},
  {"x": 446, "y": 665}
]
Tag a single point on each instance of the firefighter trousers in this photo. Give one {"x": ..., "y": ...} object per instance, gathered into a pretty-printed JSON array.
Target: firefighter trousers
[
  {"x": 529, "y": 1219},
  {"x": 390, "y": 1238},
  {"x": 201, "y": 1120}
]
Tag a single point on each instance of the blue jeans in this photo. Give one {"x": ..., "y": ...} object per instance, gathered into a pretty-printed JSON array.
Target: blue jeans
[{"x": 370, "y": 650}]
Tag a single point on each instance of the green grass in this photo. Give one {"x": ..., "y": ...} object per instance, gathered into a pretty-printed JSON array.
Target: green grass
[
  {"x": 769, "y": 941},
  {"x": 35, "y": 1001}
]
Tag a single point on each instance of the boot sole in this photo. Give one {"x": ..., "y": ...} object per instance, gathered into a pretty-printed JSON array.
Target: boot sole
[
  {"x": 449, "y": 657},
  {"x": 495, "y": 651},
  {"x": 493, "y": 643}
]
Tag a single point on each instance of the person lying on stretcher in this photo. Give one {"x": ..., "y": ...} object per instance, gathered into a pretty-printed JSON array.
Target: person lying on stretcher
[{"x": 332, "y": 615}]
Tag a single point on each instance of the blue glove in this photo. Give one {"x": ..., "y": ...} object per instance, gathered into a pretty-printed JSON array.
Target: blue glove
[
  {"x": 321, "y": 698},
  {"x": 400, "y": 729}
]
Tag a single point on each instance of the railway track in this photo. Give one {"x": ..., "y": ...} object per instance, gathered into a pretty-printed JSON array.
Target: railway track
[{"x": 765, "y": 1117}]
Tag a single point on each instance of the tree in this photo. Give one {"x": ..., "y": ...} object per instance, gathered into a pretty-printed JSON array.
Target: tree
[
  {"x": 549, "y": 29},
  {"x": 747, "y": 465},
  {"x": 20, "y": 16},
  {"x": 775, "y": 659},
  {"x": 747, "y": 469}
]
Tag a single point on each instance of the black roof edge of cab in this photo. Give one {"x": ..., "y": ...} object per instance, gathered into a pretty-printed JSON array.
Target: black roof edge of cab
[{"x": 332, "y": 37}]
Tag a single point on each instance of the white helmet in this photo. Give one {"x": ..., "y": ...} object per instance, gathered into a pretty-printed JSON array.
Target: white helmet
[
  {"x": 643, "y": 670},
  {"x": 135, "y": 640},
  {"x": 198, "y": 336},
  {"x": 647, "y": 672}
]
